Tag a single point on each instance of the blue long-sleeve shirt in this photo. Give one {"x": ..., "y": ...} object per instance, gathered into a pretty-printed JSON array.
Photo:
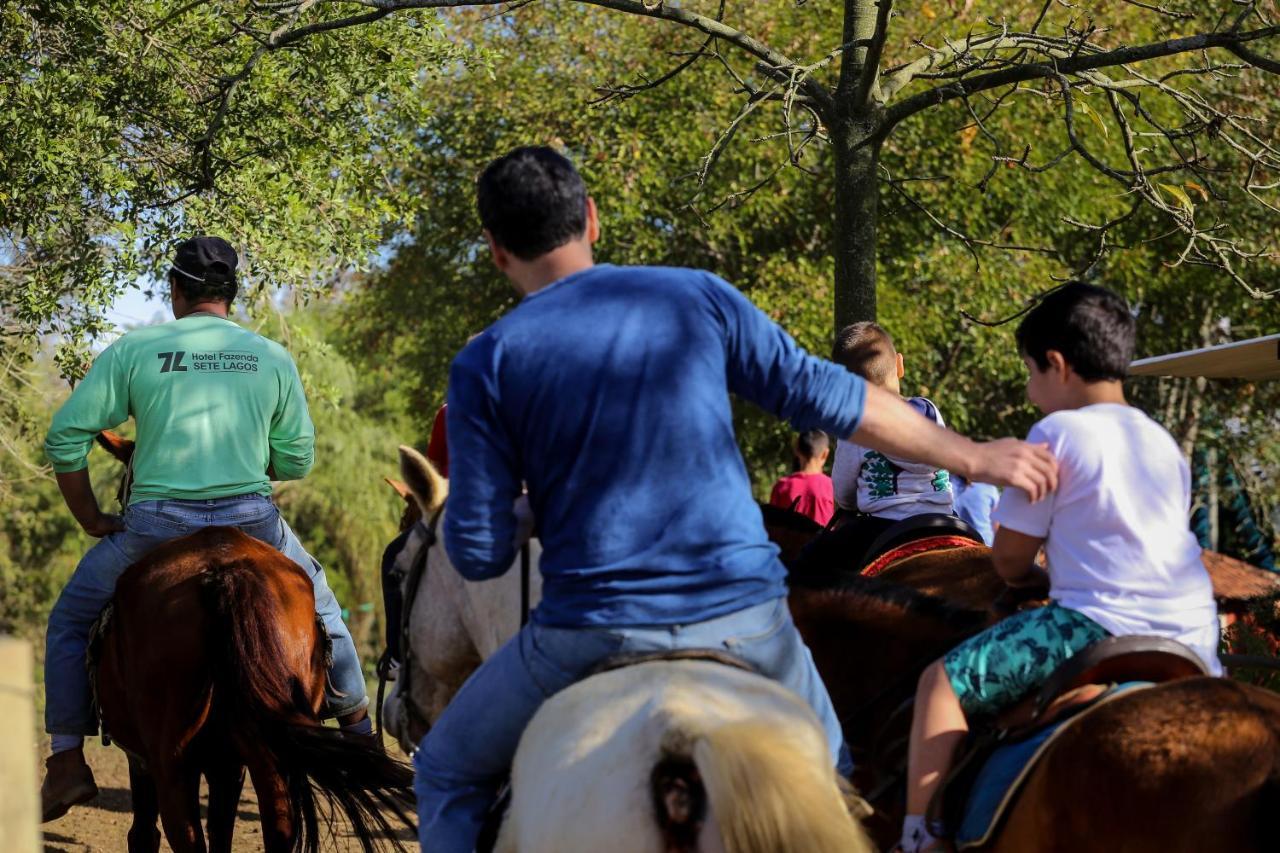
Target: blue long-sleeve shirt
[{"x": 607, "y": 394}]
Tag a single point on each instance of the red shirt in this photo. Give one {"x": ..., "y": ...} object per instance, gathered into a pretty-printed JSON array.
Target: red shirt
[
  {"x": 807, "y": 494},
  {"x": 438, "y": 445}
]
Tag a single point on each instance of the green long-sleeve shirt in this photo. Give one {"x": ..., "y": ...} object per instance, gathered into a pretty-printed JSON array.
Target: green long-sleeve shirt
[{"x": 214, "y": 404}]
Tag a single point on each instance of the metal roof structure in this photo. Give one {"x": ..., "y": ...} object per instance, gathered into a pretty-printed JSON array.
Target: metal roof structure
[{"x": 1255, "y": 359}]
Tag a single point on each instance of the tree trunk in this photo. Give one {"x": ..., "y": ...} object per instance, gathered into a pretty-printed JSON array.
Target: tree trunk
[
  {"x": 856, "y": 208},
  {"x": 854, "y": 121}
]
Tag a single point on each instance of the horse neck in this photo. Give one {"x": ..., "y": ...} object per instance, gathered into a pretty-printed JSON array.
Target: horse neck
[{"x": 871, "y": 649}]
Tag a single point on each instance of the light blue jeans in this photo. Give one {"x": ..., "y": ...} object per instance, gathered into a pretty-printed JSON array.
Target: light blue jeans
[
  {"x": 467, "y": 755},
  {"x": 148, "y": 524}
]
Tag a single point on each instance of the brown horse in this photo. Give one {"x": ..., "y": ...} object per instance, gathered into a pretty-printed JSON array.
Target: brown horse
[
  {"x": 963, "y": 576},
  {"x": 1191, "y": 765},
  {"x": 211, "y": 660}
]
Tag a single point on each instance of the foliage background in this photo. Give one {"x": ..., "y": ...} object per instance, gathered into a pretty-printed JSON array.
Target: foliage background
[{"x": 353, "y": 200}]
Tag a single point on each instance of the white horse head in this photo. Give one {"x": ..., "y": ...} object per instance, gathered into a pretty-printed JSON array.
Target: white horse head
[{"x": 598, "y": 768}]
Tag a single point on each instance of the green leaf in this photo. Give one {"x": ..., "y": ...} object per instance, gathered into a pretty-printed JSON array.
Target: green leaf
[{"x": 1179, "y": 195}]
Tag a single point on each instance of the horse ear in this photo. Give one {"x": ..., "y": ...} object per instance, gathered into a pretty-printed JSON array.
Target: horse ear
[
  {"x": 426, "y": 485},
  {"x": 119, "y": 447},
  {"x": 401, "y": 489}
]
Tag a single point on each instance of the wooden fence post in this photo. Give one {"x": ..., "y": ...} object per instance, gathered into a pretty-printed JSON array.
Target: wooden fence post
[{"x": 19, "y": 798}]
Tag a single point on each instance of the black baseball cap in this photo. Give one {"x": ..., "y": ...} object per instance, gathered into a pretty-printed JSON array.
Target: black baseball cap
[{"x": 206, "y": 259}]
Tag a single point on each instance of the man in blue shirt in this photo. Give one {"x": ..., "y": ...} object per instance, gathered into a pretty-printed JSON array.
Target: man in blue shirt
[{"x": 606, "y": 392}]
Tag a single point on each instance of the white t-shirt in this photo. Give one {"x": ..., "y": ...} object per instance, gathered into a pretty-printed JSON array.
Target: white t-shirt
[
  {"x": 1117, "y": 538},
  {"x": 867, "y": 481}
]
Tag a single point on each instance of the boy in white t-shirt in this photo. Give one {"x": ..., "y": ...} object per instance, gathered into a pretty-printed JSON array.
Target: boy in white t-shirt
[
  {"x": 1121, "y": 557},
  {"x": 874, "y": 491}
]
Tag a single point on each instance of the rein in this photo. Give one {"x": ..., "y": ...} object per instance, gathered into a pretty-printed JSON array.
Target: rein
[{"x": 412, "y": 583}]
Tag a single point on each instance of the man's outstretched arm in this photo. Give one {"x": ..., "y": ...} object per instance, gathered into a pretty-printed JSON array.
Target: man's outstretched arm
[{"x": 889, "y": 425}]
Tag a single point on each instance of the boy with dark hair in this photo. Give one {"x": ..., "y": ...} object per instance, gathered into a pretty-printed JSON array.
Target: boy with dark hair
[
  {"x": 592, "y": 363},
  {"x": 808, "y": 490},
  {"x": 1121, "y": 557}
]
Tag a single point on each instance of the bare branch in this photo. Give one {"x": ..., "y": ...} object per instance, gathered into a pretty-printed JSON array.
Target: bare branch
[
  {"x": 972, "y": 244},
  {"x": 871, "y": 64},
  {"x": 1082, "y": 61},
  {"x": 773, "y": 62},
  {"x": 610, "y": 93},
  {"x": 1255, "y": 59}
]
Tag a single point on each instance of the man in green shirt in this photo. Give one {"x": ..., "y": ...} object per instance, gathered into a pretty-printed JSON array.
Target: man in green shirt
[{"x": 220, "y": 411}]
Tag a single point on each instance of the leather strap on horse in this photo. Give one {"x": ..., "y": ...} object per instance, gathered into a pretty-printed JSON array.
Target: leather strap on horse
[
  {"x": 919, "y": 546},
  {"x": 412, "y": 583}
]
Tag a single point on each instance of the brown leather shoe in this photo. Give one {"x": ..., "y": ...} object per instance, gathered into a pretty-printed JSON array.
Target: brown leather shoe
[{"x": 68, "y": 782}]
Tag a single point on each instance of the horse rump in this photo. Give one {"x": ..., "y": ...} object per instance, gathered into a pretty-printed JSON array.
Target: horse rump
[{"x": 269, "y": 684}]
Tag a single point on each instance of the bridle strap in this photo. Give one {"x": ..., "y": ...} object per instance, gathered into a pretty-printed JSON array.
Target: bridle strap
[{"x": 413, "y": 582}]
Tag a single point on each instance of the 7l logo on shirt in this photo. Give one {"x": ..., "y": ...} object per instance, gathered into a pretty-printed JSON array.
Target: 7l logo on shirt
[{"x": 224, "y": 361}]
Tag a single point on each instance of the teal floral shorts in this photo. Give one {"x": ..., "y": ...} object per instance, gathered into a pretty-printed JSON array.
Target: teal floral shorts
[{"x": 997, "y": 668}]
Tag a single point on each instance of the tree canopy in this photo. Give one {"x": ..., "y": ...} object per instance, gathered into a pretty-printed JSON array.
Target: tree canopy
[
  {"x": 343, "y": 166},
  {"x": 1169, "y": 87},
  {"x": 125, "y": 125}
]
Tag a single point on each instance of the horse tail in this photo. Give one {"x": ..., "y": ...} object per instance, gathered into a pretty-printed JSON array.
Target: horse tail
[
  {"x": 766, "y": 795},
  {"x": 266, "y": 703}
]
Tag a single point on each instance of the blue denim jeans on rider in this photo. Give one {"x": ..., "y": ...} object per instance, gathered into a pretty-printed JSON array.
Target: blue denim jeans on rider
[
  {"x": 467, "y": 755},
  {"x": 68, "y": 709}
]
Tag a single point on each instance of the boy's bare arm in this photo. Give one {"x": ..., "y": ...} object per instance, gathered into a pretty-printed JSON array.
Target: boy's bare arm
[
  {"x": 1014, "y": 556},
  {"x": 891, "y": 426}
]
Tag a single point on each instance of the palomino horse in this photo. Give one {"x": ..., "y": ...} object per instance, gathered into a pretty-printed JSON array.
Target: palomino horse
[
  {"x": 453, "y": 624},
  {"x": 1190, "y": 765},
  {"x": 676, "y": 755},
  {"x": 210, "y": 660}
]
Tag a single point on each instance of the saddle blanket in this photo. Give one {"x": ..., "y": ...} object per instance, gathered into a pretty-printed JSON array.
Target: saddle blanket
[{"x": 999, "y": 780}]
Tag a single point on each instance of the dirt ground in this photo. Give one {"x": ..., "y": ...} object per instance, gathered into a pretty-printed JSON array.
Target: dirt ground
[{"x": 103, "y": 824}]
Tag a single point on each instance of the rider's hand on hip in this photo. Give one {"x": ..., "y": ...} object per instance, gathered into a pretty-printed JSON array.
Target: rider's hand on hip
[
  {"x": 77, "y": 491},
  {"x": 104, "y": 524}
]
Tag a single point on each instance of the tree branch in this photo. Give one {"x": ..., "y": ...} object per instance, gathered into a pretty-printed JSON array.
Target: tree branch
[
  {"x": 610, "y": 93},
  {"x": 871, "y": 64},
  {"x": 1256, "y": 59},
  {"x": 773, "y": 63},
  {"x": 1081, "y": 62}
]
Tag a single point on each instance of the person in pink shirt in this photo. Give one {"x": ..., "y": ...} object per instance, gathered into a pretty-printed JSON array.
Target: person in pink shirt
[{"x": 808, "y": 491}]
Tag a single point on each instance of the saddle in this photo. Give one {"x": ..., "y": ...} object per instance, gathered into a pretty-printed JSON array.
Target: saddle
[
  {"x": 1001, "y": 753},
  {"x": 947, "y": 530},
  {"x": 622, "y": 661}
]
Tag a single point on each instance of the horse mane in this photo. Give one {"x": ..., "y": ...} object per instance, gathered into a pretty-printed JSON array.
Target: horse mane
[
  {"x": 786, "y": 519},
  {"x": 846, "y": 591}
]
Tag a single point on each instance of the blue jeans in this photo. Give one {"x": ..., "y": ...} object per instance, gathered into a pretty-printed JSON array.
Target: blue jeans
[
  {"x": 467, "y": 755},
  {"x": 148, "y": 524}
]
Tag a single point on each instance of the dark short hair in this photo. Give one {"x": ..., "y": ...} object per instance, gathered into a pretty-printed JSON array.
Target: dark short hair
[
  {"x": 809, "y": 444},
  {"x": 531, "y": 201},
  {"x": 1090, "y": 326},
  {"x": 866, "y": 349}
]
